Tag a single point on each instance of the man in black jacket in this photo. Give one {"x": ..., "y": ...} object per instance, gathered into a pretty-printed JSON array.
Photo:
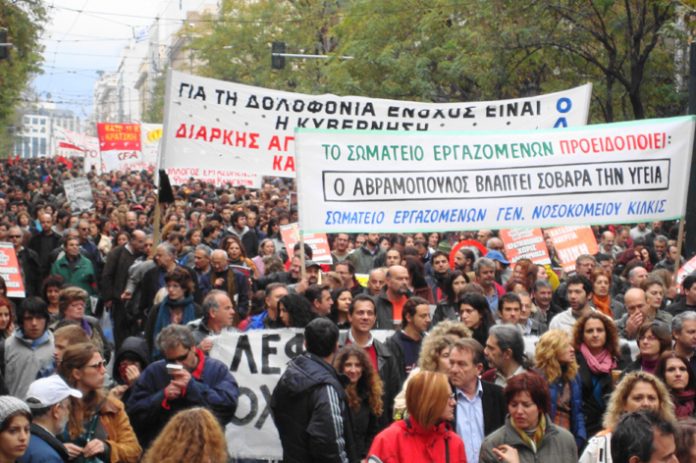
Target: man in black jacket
[
  {"x": 28, "y": 261},
  {"x": 480, "y": 406},
  {"x": 309, "y": 405}
]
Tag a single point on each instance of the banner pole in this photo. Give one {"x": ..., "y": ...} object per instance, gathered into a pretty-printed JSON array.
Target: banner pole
[
  {"x": 303, "y": 271},
  {"x": 680, "y": 243}
]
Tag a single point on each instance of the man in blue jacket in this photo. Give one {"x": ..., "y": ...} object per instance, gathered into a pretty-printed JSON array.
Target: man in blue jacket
[
  {"x": 159, "y": 393},
  {"x": 49, "y": 401}
]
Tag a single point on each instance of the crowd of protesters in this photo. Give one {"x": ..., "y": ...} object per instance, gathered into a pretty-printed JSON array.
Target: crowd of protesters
[{"x": 106, "y": 358}]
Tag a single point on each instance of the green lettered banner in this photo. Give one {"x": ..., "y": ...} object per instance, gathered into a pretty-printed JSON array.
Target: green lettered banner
[{"x": 350, "y": 181}]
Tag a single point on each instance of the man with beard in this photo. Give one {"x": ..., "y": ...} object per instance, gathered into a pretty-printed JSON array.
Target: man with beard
[
  {"x": 363, "y": 259},
  {"x": 49, "y": 401},
  {"x": 340, "y": 248},
  {"x": 390, "y": 302},
  {"x": 440, "y": 273}
]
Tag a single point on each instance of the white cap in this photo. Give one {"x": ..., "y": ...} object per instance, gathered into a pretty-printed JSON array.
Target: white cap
[{"x": 46, "y": 392}]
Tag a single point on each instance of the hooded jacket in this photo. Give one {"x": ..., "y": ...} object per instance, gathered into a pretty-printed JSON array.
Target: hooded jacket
[{"x": 309, "y": 409}]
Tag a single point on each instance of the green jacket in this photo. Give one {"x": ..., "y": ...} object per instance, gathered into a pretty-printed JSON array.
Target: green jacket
[
  {"x": 557, "y": 446},
  {"x": 81, "y": 275}
]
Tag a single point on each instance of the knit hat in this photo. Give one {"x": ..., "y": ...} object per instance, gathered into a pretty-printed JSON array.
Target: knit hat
[{"x": 10, "y": 405}]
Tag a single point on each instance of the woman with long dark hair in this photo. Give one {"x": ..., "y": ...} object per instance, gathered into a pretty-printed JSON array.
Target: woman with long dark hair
[
  {"x": 596, "y": 343},
  {"x": 364, "y": 392},
  {"x": 447, "y": 308},
  {"x": 342, "y": 299},
  {"x": 476, "y": 315},
  {"x": 675, "y": 371}
]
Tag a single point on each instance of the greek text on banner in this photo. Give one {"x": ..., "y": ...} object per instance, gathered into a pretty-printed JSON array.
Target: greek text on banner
[
  {"x": 224, "y": 132},
  {"x": 351, "y": 181}
]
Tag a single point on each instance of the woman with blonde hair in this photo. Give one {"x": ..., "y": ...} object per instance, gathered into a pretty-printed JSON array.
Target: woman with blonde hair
[
  {"x": 555, "y": 361},
  {"x": 638, "y": 390},
  {"x": 98, "y": 425},
  {"x": 434, "y": 356},
  {"x": 191, "y": 435},
  {"x": 424, "y": 436},
  {"x": 364, "y": 392}
]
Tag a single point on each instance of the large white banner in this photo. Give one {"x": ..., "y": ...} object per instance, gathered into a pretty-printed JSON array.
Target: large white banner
[
  {"x": 223, "y": 132},
  {"x": 257, "y": 359},
  {"x": 351, "y": 181},
  {"x": 73, "y": 144}
]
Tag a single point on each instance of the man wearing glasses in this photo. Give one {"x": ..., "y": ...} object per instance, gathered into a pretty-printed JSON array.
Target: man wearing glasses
[
  {"x": 28, "y": 260},
  {"x": 185, "y": 378}
]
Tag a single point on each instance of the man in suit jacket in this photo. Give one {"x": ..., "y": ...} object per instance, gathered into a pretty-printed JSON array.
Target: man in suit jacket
[{"x": 480, "y": 406}]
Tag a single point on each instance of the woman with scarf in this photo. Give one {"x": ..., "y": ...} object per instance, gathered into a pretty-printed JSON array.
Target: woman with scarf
[
  {"x": 529, "y": 431},
  {"x": 424, "y": 436},
  {"x": 596, "y": 344},
  {"x": 636, "y": 391},
  {"x": 555, "y": 361},
  {"x": 601, "y": 294},
  {"x": 675, "y": 372},
  {"x": 71, "y": 306},
  {"x": 177, "y": 307}
]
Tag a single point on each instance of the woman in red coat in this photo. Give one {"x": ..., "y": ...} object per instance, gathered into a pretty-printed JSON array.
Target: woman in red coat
[{"x": 426, "y": 435}]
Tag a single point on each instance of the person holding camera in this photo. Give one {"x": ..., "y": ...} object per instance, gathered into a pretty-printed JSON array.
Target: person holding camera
[{"x": 184, "y": 378}]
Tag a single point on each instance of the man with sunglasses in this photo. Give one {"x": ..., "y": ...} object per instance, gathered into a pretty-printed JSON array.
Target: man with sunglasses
[{"x": 163, "y": 389}]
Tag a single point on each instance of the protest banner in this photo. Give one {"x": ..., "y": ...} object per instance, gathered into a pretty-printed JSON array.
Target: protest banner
[
  {"x": 687, "y": 269},
  {"x": 525, "y": 243},
  {"x": 351, "y": 181},
  {"x": 150, "y": 136},
  {"x": 223, "y": 132},
  {"x": 9, "y": 271},
  {"x": 321, "y": 252},
  {"x": 120, "y": 146},
  {"x": 72, "y": 144},
  {"x": 257, "y": 359},
  {"x": 78, "y": 191},
  {"x": 571, "y": 242}
]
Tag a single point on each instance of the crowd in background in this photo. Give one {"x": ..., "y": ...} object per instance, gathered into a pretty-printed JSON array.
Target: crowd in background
[{"x": 488, "y": 361}]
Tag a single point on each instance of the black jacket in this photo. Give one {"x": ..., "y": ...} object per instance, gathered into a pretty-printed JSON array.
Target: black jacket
[
  {"x": 29, "y": 263},
  {"x": 494, "y": 408},
  {"x": 591, "y": 407},
  {"x": 309, "y": 409}
]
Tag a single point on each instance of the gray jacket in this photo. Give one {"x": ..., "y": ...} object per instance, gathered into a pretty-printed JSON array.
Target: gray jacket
[
  {"x": 24, "y": 358},
  {"x": 557, "y": 446}
]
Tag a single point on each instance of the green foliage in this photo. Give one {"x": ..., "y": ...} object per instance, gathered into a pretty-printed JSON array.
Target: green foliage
[
  {"x": 455, "y": 50},
  {"x": 24, "y": 22},
  {"x": 154, "y": 113}
]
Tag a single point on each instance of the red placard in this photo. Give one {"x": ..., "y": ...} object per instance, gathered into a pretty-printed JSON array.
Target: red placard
[
  {"x": 570, "y": 242},
  {"x": 9, "y": 270},
  {"x": 525, "y": 244},
  {"x": 321, "y": 252},
  {"x": 119, "y": 137}
]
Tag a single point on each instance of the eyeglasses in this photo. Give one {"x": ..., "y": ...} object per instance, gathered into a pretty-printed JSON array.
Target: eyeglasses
[
  {"x": 15, "y": 236},
  {"x": 180, "y": 358},
  {"x": 97, "y": 365},
  {"x": 453, "y": 396}
]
